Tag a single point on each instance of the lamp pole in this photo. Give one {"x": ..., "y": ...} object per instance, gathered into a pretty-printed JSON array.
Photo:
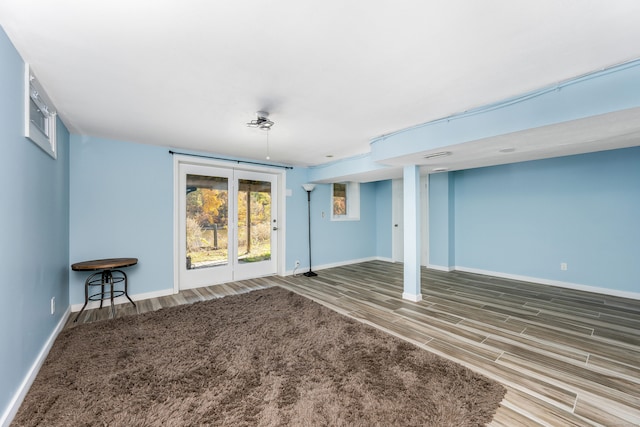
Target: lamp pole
[{"x": 309, "y": 188}]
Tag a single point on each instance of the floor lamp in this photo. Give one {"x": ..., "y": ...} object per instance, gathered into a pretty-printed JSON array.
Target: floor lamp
[{"x": 309, "y": 188}]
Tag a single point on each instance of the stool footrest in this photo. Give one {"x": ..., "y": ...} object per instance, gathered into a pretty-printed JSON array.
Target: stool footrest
[
  {"x": 106, "y": 295},
  {"x": 104, "y": 278}
]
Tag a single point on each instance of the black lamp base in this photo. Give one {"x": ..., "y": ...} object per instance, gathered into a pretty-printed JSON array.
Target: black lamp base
[{"x": 310, "y": 274}]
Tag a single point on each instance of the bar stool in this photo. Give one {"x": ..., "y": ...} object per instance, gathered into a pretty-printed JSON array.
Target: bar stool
[{"x": 109, "y": 275}]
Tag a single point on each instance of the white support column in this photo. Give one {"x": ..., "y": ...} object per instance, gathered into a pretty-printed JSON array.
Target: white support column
[{"x": 412, "y": 234}]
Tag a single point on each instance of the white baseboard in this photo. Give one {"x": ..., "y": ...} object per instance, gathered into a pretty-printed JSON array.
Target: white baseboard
[
  {"x": 123, "y": 299},
  {"x": 341, "y": 263},
  {"x": 558, "y": 283},
  {"x": 336, "y": 264},
  {"x": 440, "y": 267},
  {"x": 20, "y": 394}
]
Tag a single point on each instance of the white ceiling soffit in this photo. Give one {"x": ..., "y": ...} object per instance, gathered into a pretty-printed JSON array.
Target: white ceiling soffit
[
  {"x": 598, "y": 133},
  {"x": 332, "y": 75},
  {"x": 609, "y": 131}
]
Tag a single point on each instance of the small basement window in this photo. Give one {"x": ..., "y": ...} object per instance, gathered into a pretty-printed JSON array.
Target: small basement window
[
  {"x": 40, "y": 115},
  {"x": 345, "y": 201}
]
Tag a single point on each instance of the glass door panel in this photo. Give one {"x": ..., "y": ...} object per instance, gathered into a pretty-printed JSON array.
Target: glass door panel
[
  {"x": 256, "y": 224},
  {"x": 207, "y": 221},
  {"x": 254, "y": 221},
  {"x": 205, "y": 227}
]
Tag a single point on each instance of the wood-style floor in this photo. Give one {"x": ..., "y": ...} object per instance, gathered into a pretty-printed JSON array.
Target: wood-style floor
[{"x": 566, "y": 357}]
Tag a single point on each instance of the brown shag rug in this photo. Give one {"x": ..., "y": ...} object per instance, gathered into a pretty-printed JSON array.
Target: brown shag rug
[{"x": 265, "y": 358}]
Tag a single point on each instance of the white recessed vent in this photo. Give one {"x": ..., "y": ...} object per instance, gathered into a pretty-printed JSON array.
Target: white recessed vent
[{"x": 438, "y": 154}]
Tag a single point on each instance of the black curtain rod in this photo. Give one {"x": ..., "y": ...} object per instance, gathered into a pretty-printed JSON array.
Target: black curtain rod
[{"x": 232, "y": 160}]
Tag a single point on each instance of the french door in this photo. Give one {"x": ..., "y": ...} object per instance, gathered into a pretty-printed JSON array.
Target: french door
[{"x": 227, "y": 225}]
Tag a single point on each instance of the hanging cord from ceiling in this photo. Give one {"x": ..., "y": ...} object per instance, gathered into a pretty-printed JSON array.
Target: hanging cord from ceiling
[{"x": 268, "y": 157}]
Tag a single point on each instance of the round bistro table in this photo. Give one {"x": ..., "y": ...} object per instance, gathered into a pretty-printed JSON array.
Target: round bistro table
[{"x": 108, "y": 275}]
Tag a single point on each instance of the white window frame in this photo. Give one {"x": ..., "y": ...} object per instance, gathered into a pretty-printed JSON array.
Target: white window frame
[
  {"x": 353, "y": 202},
  {"x": 44, "y": 134}
]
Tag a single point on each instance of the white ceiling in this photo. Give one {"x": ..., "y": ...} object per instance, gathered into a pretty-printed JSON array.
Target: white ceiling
[{"x": 333, "y": 74}]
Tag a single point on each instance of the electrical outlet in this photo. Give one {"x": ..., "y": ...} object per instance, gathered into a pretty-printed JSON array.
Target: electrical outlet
[
  {"x": 563, "y": 266},
  {"x": 53, "y": 305}
]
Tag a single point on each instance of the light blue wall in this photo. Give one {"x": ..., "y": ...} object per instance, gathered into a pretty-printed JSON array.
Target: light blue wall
[
  {"x": 297, "y": 230},
  {"x": 341, "y": 241},
  {"x": 34, "y": 225},
  {"x": 441, "y": 221},
  {"x": 384, "y": 222},
  {"x": 335, "y": 242},
  {"x": 122, "y": 206},
  {"x": 527, "y": 218}
]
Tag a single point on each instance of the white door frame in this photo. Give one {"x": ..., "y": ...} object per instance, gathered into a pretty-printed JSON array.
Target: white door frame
[
  {"x": 179, "y": 159},
  {"x": 397, "y": 221},
  {"x": 397, "y": 206}
]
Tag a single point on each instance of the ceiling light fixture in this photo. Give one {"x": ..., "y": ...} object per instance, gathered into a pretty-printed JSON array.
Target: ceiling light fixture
[
  {"x": 438, "y": 154},
  {"x": 261, "y": 122},
  {"x": 440, "y": 170}
]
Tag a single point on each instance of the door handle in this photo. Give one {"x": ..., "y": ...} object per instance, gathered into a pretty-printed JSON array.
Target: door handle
[{"x": 275, "y": 228}]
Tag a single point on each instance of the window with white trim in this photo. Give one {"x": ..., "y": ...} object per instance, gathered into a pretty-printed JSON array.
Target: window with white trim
[
  {"x": 345, "y": 201},
  {"x": 40, "y": 115}
]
